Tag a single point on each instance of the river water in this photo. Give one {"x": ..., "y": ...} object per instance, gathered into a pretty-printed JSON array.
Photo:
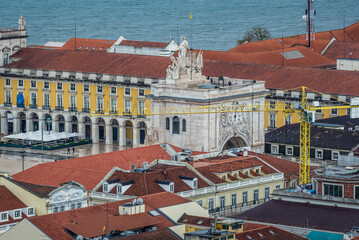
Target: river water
[{"x": 216, "y": 25}]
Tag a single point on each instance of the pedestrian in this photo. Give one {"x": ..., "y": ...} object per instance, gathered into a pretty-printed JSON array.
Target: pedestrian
[
  {"x": 68, "y": 151},
  {"x": 73, "y": 151}
]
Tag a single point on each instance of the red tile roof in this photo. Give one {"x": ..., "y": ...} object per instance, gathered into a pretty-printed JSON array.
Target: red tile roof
[
  {"x": 273, "y": 57},
  {"x": 145, "y": 183},
  {"x": 196, "y": 220},
  {"x": 89, "y": 170},
  {"x": 339, "y": 49},
  {"x": 53, "y": 224},
  {"x": 41, "y": 191},
  {"x": 8, "y": 201},
  {"x": 75, "y": 43},
  {"x": 276, "y": 77},
  {"x": 267, "y": 232},
  {"x": 141, "y": 44},
  {"x": 92, "y": 62}
]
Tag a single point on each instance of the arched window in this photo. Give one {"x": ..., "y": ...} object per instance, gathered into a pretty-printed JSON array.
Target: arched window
[
  {"x": 175, "y": 125},
  {"x": 167, "y": 124},
  {"x": 183, "y": 125}
]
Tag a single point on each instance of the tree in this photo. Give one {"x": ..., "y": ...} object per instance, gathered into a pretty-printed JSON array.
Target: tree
[{"x": 255, "y": 34}]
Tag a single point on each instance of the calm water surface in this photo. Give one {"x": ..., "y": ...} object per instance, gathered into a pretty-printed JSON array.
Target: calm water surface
[{"x": 216, "y": 24}]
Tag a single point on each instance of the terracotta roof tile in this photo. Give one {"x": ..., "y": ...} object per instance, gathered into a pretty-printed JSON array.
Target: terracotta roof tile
[
  {"x": 89, "y": 170},
  {"x": 268, "y": 232},
  {"x": 306, "y": 57},
  {"x": 53, "y": 224},
  {"x": 141, "y": 44},
  {"x": 339, "y": 49},
  {"x": 76, "y": 43},
  {"x": 92, "y": 62},
  {"x": 40, "y": 190},
  {"x": 195, "y": 220},
  {"x": 8, "y": 201}
]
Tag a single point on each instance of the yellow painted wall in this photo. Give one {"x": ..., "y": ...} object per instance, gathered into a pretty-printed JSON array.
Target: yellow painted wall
[
  {"x": 2, "y": 96},
  {"x": 26, "y": 197}
]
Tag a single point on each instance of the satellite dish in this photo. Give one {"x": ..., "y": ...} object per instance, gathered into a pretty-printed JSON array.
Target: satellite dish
[
  {"x": 304, "y": 17},
  {"x": 79, "y": 237},
  {"x": 134, "y": 201},
  {"x": 139, "y": 201}
]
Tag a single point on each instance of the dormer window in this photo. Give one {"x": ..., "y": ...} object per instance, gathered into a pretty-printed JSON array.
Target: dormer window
[
  {"x": 80, "y": 48},
  {"x": 195, "y": 183},
  {"x": 4, "y": 217},
  {"x": 17, "y": 214},
  {"x": 87, "y": 48},
  {"x": 119, "y": 189},
  {"x": 94, "y": 49},
  {"x": 105, "y": 187},
  {"x": 100, "y": 48},
  {"x": 172, "y": 187},
  {"x": 30, "y": 211}
]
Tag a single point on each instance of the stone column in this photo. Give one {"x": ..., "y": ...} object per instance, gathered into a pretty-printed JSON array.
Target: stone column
[
  {"x": 55, "y": 125},
  {"x": 4, "y": 125},
  {"x": 136, "y": 136},
  {"x": 29, "y": 124},
  {"x": 81, "y": 128},
  {"x": 16, "y": 125},
  {"x": 68, "y": 126},
  {"x": 109, "y": 137},
  {"x": 94, "y": 132},
  {"x": 122, "y": 137}
]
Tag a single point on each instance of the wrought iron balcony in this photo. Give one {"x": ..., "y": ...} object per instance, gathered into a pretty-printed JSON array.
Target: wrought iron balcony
[
  {"x": 60, "y": 108},
  {"x": 72, "y": 109},
  {"x": 113, "y": 111},
  {"x": 99, "y": 111},
  {"x": 46, "y": 107},
  {"x": 7, "y": 104},
  {"x": 141, "y": 116},
  {"x": 86, "y": 110},
  {"x": 20, "y": 105},
  {"x": 34, "y": 106}
]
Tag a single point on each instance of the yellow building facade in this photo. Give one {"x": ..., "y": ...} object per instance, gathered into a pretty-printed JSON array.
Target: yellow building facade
[{"x": 75, "y": 105}]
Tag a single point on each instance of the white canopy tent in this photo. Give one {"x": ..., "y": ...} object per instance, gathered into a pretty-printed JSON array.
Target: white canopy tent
[{"x": 46, "y": 136}]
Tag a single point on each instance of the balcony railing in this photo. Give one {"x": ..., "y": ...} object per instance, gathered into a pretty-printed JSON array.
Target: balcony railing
[
  {"x": 47, "y": 107},
  {"x": 108, "y": 196},
  {"x": 127, "y": 112},
  {"x": 20, "y": 105},
  {"x": 141, "y": 116},
  {"x": 72, "y": 109},
  {"x": 87, "y": 110},
  {"x": 60, "y": 108},
  {"x": 99, "y": 111},
  {"x": 34, "y": 106},
  {"x": 7, "y": 104},
  {"x": 113, "y": 111}
]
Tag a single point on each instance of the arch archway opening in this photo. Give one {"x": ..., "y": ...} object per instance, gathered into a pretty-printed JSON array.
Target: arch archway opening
[{"x": 235, "y": 142}]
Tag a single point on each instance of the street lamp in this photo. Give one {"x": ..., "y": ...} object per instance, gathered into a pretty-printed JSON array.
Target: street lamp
[{"x": 23, "y": 153}]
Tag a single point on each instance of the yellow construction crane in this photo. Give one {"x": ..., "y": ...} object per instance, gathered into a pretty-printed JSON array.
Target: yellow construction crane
[{"x": 306, "y": 116}]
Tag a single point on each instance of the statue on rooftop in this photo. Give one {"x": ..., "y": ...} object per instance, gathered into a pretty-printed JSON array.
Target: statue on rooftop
[
  {"x": 22, "y": 22},
  {"x": 183, "y": 47}
]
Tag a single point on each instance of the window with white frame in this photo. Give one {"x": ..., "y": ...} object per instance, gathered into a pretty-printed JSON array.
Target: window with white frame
[
  {"x": 119, "y": 189},
  {"x": 222, "y": 202},
  {"x": 128, "y": 106},
  {"x": 55, "y": 209},
  {"x": 293, "y": 183},
  {"x": 73, "y": 87},
  {"x": 33, "y": 98},
  {"x": 86, "y": 88},
  {"x": 8, "y": 96},
  {"x": 17, "y": 214},
  {"x": 62, "y": 208},
  {"x": 20, "y": 83},
  {"x": 99, "y": 89},
  {"x": 318, "y": 154},
  {"x": 79, "y": 205},
  {"x": 59, "y": 100},
  {"x": 195, "y": 183},
  {"x": 99, "y": 103},
  {"x": 172, "y": 187},
  {"x": 59, "y": 86},
  {"x": 73, "y": 101},
  {"x": 289, "y": 151},
  {"x": 234, "y": 199},
  {"x": 30, "y": 211},
  {"x": 128, "y": 91},
  {"x": 86, "y": 102},
  {"x": 113, "y": 90},
  {"x": 255, "y": 196},
  {"x": 141, "y": 92},
  {"x": 46, "y": 85},
  {"x": 274, "y": 149},
  {"x": 4, "y": 216},
  {"x": 210, "y": 203},
  {"x": 245, "y": 198},
  {"x": 335, "y": 155},
  {"x": 8, "y": 82},
  {"x": 46, "y": 100},
  {"x": 113, "y": 104},
  {"x": 272, "y": 104},
  {"x": 334, "y": 111},
  {"x": 33, "y": 84},
  {"x": 105, "y": 187},
  {"x": 288, "y": 119},
  {"x": 6, "y": 58},
  {"x": 141, "y": 107},
  {"x": 266, "y": 193},
  {"x": 72, "y": 205},
  {"x": 333, "y": 190},
  {"x": 272, "y": 120},
  {"x": 200, "y": 202},
  {"x": 277, "y": 186}
]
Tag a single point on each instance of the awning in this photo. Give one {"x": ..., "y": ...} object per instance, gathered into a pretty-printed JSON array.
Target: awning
[{"x": 46, "y": 136}]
